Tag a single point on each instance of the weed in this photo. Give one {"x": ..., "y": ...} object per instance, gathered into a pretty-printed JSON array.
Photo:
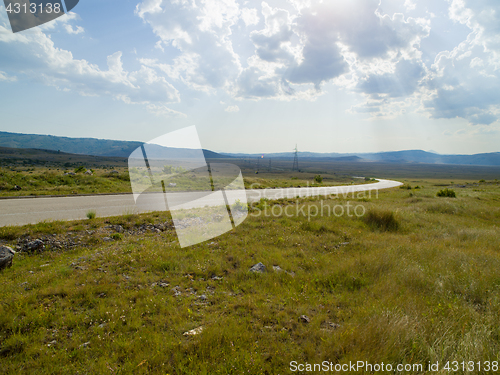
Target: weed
[
  {"x": 91, "y": 214},
  {"x": 381, "y": 220},
  {"x": 450, "y": 193}
]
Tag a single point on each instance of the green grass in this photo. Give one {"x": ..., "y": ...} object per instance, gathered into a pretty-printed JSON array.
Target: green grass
[
  {"x": 428, "y": 291},
  {"x": 52, "y": 181}
]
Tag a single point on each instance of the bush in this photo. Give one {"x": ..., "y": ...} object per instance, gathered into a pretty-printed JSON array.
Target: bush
[
  {"x": 80, "y": 169},
  {"x": 91, "y": 214},
  {"x": 318, "y": 179},
  {"x": 446, "y": 193},
  {"x": 405, "y": 186},
  {"x": 117, "y": 236},
  {"x": 381, "y": 220}
]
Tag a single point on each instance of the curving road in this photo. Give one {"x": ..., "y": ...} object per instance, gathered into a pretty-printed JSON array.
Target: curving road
[{"x": 23, "y": 211}]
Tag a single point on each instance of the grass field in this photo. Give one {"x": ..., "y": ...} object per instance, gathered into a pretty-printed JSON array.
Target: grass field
[{"x": 414, "y": 280}]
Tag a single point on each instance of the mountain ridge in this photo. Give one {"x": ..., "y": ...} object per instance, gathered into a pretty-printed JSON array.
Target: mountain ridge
[{"x": 114, "y": 148}]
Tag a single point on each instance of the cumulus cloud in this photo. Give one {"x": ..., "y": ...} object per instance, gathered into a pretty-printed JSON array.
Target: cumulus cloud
[
  {"x": 33, "y": 55},
  {"x": 464, "y": 82},
  {"x": 77, "y": 30}
]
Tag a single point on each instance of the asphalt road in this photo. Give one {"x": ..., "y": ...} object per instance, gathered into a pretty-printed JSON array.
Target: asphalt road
[{"x": 34, "y": 210}]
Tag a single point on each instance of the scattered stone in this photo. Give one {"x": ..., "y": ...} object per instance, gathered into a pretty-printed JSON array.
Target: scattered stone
[
  {"x": 203, "y": 297},
  {"x": 176, "y": 291},
  {"x": 304, "y": 319},
  {"x": 85, "y": 344},
  {"x": 102, "y": 325},
  {"x": 80, "y": 268},
  {"x": 259, "y": 267},
  {"x": 52, "y": 343},
  {"x": 216, "y": 278},
  {"x": 329, "y": 325},
  {"x": 107, "y": 239},
  {"x": 33, "y": 246},
  {"x": 194, "y": 332},
  {"x": 277, "y": 268},
  {"x": 88, "y": 173},
  {"x": 69, "y": 174},
  {"x": 163, "y": 284},
  {"x": 114, "y": 171},
  {"x": 17, "y": 188},
  {"x": 6, "y": 256},
  {"x": 172, "y": 184}
]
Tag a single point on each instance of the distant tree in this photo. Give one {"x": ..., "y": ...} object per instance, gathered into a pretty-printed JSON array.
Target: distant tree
[{"x": 318, "y": 179}]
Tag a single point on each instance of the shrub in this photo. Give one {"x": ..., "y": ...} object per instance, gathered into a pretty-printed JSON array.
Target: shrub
[
  {"x": 116, "y": 236},
  {"x": 405, "y": 186},
  {"x": 381, "y": 220},
  {"x": 482, "y": 180},
  {"x": 318, "y": 179},
  {"x": 91, "y": 214},
  {"x": 80, "y": 169},
  {"x": 238, "y": 206},
  {"x": 446, "y": 193}
]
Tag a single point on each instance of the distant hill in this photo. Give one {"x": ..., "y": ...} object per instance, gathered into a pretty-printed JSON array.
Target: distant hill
[
  {"x": 105, "y": 147},
  {"x": 400, "y": 157},
  {"x": 89, "y": 146}
]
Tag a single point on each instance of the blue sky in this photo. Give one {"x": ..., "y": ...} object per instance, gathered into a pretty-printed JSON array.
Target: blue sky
[{"x": 261, "y": 76}]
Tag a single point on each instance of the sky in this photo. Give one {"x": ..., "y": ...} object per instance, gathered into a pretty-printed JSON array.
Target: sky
[{"x": 262, "y": 76}]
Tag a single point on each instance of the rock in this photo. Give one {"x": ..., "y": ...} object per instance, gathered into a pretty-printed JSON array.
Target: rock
[
  {"x": 85, "y": 344},
  {"x": 52, "y": 343},
  {"x": 70, "y": 174},
  {"x": 17, "y": 188},
  {"x": 194, "y": 332},
  {"x": 277, "y": 268},
  {"x": 107, "y": 239},
  {"x": 329, "y": 326},
  {"x": 304, "y": 319},
  {"x": 259, "y": 267},
  {"x": 203, "y": 297},
  {"x": 36, "y": 245},
  {"x": 6, "y": 256},
  {"x": 119, "y": 228},
  {"x": 114, "y": 171},
  {"x": 88, "y": 173},
  {"x": 172, "y": 184}
]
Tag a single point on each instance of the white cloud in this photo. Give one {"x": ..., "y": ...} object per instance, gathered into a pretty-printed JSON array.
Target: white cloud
[
  {"x": 232, "y": 109},
  {"x": 250, "y": 16},
  {"x": 6, "y": 78},
  {"x": 33, "y": 55},
  {"x": 77, "y": 30}
]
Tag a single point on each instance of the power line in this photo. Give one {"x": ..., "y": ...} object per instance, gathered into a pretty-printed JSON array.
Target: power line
[{"x": 295, "y": 166}]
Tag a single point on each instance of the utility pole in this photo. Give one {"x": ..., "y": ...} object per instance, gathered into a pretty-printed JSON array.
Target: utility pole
[{"x": 295, "y": 166}]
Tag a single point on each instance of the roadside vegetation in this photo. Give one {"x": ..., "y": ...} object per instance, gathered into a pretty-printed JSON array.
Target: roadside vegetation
[{"x": 416, "y": 279}]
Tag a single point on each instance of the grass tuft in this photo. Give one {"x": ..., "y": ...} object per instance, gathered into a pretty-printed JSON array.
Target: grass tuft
[{"x": 381, "y": 220}]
